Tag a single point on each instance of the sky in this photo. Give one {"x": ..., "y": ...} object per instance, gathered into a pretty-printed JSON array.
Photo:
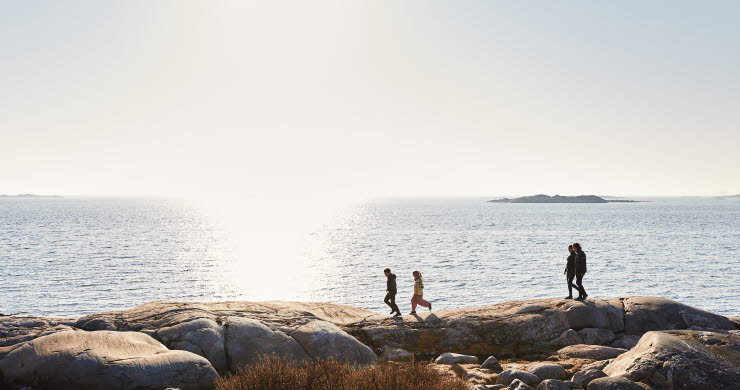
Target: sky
[{"x": 350, "y": 100}]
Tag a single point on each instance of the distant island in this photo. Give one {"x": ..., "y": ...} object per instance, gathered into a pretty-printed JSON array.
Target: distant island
[
  {"x": 29, "y": 196},
  {"x": 728, "y": 197},
  {"x": 541, "y": 198}
]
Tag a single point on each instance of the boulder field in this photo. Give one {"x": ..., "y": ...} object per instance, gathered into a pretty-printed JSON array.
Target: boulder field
[{"x": 645, "y": 340}]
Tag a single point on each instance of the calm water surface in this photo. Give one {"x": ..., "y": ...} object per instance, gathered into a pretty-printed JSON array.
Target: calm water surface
[{"x": 67, "y": 256}]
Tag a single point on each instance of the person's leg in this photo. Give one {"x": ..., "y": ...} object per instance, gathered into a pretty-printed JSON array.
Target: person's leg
[
  {"x": 583, "y": 289},
  {"x": 387, "y": 301},
  {"x": 420, "y": 300},
  {"x": 413, "y": 303},
  {"x": 569, "y": 278},
  {"x": 393, "y": 305},
  {"x": 579, "y": 283}
]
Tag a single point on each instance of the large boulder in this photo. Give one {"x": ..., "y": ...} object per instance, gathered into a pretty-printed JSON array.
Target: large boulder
[
  {"x": 604, "y": 314},
  {"x": 323, "y": 340},
  {"x": 247, "y": 339},
  {"x": 595, "y": 352},
  {"x": 201, "y": 336},
  {"x": 645, "y": 314},
  {"x": 104, "y": 360},
  {"x": 682, "y": 360}
]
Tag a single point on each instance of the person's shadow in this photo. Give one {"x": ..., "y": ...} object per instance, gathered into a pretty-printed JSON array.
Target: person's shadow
[{"x": 419, "y": 319}]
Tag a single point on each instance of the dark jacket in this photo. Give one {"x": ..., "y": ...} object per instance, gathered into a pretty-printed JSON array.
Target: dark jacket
[
  {"x": 391, "y": 283},
  {"x": 580, "y": 262},
  {"x": 571, "y": 266}
]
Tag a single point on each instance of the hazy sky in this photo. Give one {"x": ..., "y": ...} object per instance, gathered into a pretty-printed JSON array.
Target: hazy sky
[{"x": 368, "y": 99}]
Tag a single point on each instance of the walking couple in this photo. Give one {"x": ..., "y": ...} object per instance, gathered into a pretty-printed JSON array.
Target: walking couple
[
  {"x": 417, "y": 299},
  {"x": 576, "y": 267}
]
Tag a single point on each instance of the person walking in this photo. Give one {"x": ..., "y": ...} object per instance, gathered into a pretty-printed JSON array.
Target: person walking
[
  {"x": 418, "y": 298},
  {"x": 390, "y": 289},
  {"x": 580, "y": 271},
  {"x": 570, "y": 272}
]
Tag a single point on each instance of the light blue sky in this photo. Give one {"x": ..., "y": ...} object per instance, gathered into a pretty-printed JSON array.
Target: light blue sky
[{"x": 350, "y": 100}]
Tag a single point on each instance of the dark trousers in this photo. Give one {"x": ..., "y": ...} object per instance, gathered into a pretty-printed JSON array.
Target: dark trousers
[
  {"x": 571, "y": 286},
  {"x": 390, "y": 300},
  {"x": 579, "y": 283}
]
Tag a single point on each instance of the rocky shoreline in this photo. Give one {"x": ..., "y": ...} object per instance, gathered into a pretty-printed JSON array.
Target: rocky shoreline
[{"x": 620, "y": 343}]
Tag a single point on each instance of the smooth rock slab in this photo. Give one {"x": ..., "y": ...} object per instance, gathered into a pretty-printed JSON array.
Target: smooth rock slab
[
  {"x": 596, "y": 352},
  {"x": 681, "y": 360},
  {"x": 322, "y": 340},
  {"x": 547, "y": 370},
  {"x": 644, "y": 314},
  {"x": 455, "y": 358},
  {"x": 508, "y": 376},
  {"x": 104, "y": 360}
]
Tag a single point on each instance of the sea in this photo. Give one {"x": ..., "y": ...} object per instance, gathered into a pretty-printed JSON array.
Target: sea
[{"x": 74, "y": 256}]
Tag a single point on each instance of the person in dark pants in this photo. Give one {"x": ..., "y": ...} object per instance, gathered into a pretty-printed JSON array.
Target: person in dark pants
[
  {"x": 570, "y": 272},
  {"x": 580, "y": 271},
  {"x": 390, "y": 296}
]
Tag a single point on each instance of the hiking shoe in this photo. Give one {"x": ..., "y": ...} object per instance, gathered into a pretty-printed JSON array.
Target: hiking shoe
[
  {"x": 413, "y": 312},
  {"x": 568, "y": 297},
  {"x": 397, "y": 315}
]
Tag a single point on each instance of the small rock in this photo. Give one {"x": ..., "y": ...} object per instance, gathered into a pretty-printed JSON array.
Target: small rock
[
  {"x": 613, "y": 383},
  {"x": 582, "y": 378},
  {"x": 547, "y": 370},
  {"x": 508, "y": 376},
  {"x": 553, "y": 384},
  {"x": 596, "y": 352},
  {"x": 519, "y": 385},
  {"x": 492, "y": 364},
  {"x": 452, "y": 358},
  {"x": 390, "y": 354}
]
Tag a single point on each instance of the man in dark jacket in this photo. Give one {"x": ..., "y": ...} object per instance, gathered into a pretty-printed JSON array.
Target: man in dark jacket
[
  {"x": 580, "y": 271},
  {"x": 570, "y": 271},
  {"x": 390, "y": 296}
]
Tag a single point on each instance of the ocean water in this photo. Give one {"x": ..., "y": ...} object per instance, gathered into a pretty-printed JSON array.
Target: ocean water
[{"x": 73, "y": 256}]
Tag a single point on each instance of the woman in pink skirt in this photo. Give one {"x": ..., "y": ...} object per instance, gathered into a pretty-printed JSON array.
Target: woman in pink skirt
[{"x": 419, "y": 293}]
